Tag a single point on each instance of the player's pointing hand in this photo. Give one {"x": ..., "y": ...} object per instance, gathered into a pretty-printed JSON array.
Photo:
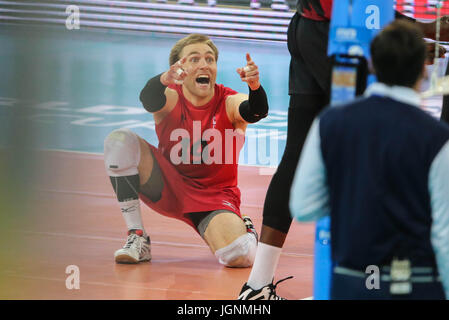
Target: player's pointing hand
[
  {"x": 175, "y": 74},
  {"x": 250, "y": 73}
]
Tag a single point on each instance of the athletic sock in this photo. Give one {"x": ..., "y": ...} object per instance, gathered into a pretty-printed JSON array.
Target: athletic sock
[
  {"x": 264, "y": 267},
  {"x": 127, "y": 190},
  {"x": 131, "y": 214}
]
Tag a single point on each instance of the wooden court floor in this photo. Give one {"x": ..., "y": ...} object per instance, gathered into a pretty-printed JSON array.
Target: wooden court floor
[{"x": 74, "y": 219}]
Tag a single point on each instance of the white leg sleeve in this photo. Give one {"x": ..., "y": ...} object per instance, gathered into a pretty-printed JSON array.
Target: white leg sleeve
[
  {"x": 121, "y": 153},
  {"x": 240, "y": 253}
]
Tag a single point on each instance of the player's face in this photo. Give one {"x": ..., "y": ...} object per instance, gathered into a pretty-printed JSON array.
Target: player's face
[{"x": 202, "y": 69}]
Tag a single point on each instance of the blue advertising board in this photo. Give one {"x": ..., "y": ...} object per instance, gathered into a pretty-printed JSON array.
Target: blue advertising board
[{"x": 354, "y": 24}]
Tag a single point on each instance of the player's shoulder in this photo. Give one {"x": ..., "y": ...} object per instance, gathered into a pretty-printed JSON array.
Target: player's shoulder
[
  {"x": 229, "y": 95},
  {"x": 222, "y": 90}
]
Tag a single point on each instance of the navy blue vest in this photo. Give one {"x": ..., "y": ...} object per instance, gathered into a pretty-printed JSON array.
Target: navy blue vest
[{"x": 378, "y": 153}]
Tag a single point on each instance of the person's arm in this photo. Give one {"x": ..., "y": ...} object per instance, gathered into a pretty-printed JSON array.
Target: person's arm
[
  {"x": 152, "y": 95},
  {"x": 309, "y": 195},
  {"x": 156, "y": 96},
  {"x": 429, "y": 28},
  {"x": 439, "y": 196},
  {"x": 253, "y": 107},
  {"x": 399, "y": 15},
  {"x": 256, "y": 107}
]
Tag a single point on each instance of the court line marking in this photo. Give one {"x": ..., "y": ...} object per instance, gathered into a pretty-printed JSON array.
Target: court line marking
[
  {"x": 101, "y": 154},
  {"x": 108, "y": 195},
  {"x": 87, "y": 237},
  {"x": 103, "y": 284},
  {"x": 161, "y": 243},
  {"x": 70, "y": 151}
]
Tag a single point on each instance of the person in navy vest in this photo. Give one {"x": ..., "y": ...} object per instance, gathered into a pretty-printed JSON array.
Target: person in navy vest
[{"x": 379, "y": 166}]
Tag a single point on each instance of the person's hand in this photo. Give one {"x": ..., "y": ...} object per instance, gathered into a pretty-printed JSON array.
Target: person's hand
[
  {"x": 176, "y": 74},
  {"x": 250, "y": 73},
  {"x": 431, "y": 52}
]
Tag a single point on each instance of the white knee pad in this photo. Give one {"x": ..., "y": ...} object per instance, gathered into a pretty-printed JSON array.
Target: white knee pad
[
  {"x": 121, "y": 153},
  {"x": 240, "y": 253}
]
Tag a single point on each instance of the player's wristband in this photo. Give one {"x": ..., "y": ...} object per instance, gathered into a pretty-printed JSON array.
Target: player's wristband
[
  {"x": 256, "y": 107},
  {"x": 153, "y": 95}
]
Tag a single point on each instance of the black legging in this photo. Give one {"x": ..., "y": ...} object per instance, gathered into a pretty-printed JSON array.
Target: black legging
[{"x": 302, "y": 111}]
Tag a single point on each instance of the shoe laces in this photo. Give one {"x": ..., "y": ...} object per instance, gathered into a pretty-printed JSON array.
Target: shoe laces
[
  {"x": 134, "y": 241},
  {"x": 250, "y": 226},
  {"x": 272, "y": 287}
]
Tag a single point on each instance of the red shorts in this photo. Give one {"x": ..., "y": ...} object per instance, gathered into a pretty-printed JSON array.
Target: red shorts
[{"x": 180, "y": 196}]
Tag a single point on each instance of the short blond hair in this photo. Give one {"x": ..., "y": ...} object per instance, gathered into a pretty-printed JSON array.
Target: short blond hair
[{"x": 190, "y": 39}]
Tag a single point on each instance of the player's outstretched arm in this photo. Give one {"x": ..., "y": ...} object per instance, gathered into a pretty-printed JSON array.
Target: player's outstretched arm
[
  {"x": 156, "y": 96},
  {"x": 254, "y": 106},
  {"x": 429, "y": 28}
]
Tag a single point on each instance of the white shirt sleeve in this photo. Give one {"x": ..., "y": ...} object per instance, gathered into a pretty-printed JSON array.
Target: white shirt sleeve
[
  {"x": 439, "y": 196},
  {"x": 309, "y": 196}
]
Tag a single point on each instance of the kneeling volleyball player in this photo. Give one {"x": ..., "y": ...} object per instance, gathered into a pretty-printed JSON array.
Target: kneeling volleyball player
[{"x": 192, "y": 174}]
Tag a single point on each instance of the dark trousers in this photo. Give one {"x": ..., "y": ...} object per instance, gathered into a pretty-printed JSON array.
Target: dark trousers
[
  {"x": 309, "y": 89},
  {"x": 301, "y": 113}
]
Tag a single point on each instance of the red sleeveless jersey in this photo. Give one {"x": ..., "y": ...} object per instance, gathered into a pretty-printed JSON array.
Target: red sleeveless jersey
[
  {"x": 320, "y": 10},
  {"x": 201, "y": 143}
]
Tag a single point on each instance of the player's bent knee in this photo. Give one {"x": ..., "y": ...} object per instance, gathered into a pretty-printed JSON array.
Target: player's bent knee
[
  {"x": 121, "y": 153},
  {"x": 240, "y": 253}
]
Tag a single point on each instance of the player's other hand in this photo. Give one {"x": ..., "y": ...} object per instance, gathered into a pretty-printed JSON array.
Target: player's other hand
[
  {"x": 176, "y": 74},
  {"x": 250, "y": 73}
]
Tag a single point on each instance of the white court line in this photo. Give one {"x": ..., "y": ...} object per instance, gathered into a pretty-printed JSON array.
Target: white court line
[
  {"x": 110, "y": 195},
  {"x": 87, "y": 237},
  {"x": 308, "y": 298},
  {"x": 266, "y": 168},
  {"x": 71, "y": 151},
  {"x": 10, "y": 273},
  {"x": 78, "y": 193},
  {"x": 161, "y": 243}
]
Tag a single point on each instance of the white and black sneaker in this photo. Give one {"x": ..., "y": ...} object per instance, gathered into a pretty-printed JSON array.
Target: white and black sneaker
[
  {"x": 265, "y": 293},
  {"x": 135, "y": 250},
  {"x": 249, "y": 226}
]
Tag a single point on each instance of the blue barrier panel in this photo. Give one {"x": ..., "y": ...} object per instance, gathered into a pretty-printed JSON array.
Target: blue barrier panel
[
  {"x": 353, "y": 25},
  {"x": 355, "y": 22},
  {"x": 323, "y": 262}
]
